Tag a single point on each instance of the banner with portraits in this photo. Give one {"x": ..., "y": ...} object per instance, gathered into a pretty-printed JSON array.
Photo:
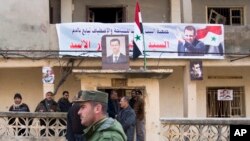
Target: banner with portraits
[{"x": 162, "y": 40}]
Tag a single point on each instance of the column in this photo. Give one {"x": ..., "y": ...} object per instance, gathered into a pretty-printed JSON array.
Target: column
[
  {"x": 190, "y": 95},
  {"x": 176, "y": 11},
  {"x": 187, "y": 11},
  {"x": 67, "y": 8}
]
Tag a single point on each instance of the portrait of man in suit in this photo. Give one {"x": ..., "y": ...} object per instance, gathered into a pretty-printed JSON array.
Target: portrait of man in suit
[
  {"x": 115, "y": 52},
  {"x": 117, "y": 56}
]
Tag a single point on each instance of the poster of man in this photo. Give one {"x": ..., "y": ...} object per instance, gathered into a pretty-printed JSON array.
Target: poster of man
[
  {"x": 48, "y": 75},
  {"x": 196, "y": 72},
  {"x": 115, "y": 52}
]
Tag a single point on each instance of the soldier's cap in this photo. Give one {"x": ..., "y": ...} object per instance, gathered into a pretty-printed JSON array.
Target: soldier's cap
[{"x": 89, "y": 95}]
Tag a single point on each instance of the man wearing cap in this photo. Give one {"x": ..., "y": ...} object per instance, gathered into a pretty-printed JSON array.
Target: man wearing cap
[{"x": 93, "y": 115}]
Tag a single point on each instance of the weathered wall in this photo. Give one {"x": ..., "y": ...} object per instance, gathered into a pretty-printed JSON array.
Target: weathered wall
[
  {"x": 171, "y": 94},
  {"x": 24, "y": 24},
  {"x": 28, "y": 82},
  {"x": 171, "y": 89},
  {"x": 159, "y": 11}
]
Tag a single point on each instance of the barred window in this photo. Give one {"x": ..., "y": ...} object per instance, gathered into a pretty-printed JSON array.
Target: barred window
[
  {"x": 225, "y": 108},
  {"x": 225, "y": 15}
]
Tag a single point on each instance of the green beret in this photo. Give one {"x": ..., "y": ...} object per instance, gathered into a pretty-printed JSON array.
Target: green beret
[{"x": 89, "y": 95}]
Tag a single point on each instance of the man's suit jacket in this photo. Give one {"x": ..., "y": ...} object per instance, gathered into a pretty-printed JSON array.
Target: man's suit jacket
[{"x": 122, "y": 59}]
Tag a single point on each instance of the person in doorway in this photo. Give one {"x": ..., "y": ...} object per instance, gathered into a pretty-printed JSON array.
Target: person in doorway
[
  {"x": 117, "y": 56},
  {"x": 127, "y": 118},
  {"x": 93, "y": 115},
  {"x": 64, "y": 103},
  {"x": 113, "y": 104},
  {"x": 133, "y": 98},
  {"x": 74, "y": 126},
  {"x": 140, "y": 116},
  {"x": 189, "y": 45}
]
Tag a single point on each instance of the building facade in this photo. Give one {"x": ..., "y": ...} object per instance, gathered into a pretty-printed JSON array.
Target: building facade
[{"x": 29, "y": 42}]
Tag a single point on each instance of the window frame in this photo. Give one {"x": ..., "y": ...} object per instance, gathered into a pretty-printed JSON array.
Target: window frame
[
  {"x": 238, "y": 92},
  {"x": 230, "y": 8}
]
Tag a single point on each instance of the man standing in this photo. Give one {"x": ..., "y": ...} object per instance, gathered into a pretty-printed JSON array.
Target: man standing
[
  {"x": 113, "y": 104},
  {"x": 48, "y": 104},
  {"x": 18, "y": 106},
  {"x": 116, "y": 56},
  {"x": 133, "y": 98},
  {"x": 189, "y": 45},
  {"x": 74, "y": 126},
  {"x": 127, "y": 118},
  {"x": 140, "y": 116},
  {"x": 93, "y": 115},
  {"x": 64, "y": 103}
]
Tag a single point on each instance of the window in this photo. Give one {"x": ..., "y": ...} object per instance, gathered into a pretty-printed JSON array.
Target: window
[
  {"x": 54, "y": 11},
  {"x": 106, "y": 15},
  {"x": 225, "y": 108},
  {"x": 226, "y": 16}
]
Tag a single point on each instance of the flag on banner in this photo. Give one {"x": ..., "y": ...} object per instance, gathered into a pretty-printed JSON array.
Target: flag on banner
[
  {"x": 211, "y": 35},
  {"x": 138, "y": 31}
]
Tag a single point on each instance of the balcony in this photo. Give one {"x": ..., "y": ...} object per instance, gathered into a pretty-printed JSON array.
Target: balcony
[
  {"x": 200, "y": 129},
  {"x": 32, "y": 126}
]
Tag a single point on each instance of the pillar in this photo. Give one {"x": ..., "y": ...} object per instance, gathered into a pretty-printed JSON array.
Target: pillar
[
  {"x": 190, "y": 95},
  {"x": 67, "y": 8},
  {"x": 176, "y": 11}
]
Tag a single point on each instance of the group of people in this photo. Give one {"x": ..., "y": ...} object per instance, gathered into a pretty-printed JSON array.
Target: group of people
[
  {"x": 95, "y": 115},
  {"x": 46, "y": 105},
  {"x": 129, "y": 112}
]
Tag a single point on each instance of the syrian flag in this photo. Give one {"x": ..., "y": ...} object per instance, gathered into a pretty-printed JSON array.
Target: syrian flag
[
  {"x": 210, "y": 35},
  {"x": 138, "y": 31}
]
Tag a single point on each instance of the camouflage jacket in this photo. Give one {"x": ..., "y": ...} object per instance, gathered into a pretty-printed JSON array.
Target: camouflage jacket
[{"x": 106, "y": 129}]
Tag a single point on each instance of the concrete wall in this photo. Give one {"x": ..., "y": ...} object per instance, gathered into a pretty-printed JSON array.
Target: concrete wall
[
  {"x": 159, "y": 11},
  {"x": 171, "y": 94},
  {"x": 24, "y": 24},
  {"x": 28, "y": 82},
  {"x": 171, "y": 89}
]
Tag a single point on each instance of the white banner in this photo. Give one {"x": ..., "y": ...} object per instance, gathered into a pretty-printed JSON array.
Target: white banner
[{"x": 162, "y": 40}]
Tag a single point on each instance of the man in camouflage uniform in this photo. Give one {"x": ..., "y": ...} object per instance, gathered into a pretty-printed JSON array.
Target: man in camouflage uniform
[{"x": 93, "y": 113}]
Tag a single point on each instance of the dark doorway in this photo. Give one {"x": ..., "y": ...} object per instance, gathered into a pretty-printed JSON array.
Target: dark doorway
[{"x": 106, "y": 15}]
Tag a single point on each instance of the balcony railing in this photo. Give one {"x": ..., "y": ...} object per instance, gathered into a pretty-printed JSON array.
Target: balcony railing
[
  {"x": 33, "y": 126},
  {"x": 206, "y": 129}
]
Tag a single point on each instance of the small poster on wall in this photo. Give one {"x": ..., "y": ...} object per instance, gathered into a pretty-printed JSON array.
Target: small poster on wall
[
  {"x": 224, "y": 94},
  {"x": 48, "y": 75},
  {"x": 196, "y": 72}
]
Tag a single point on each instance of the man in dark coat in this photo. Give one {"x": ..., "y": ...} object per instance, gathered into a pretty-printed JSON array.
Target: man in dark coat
[
  {"x": 113, "y": 104},
  {"x": 127, "y": 118},
  {"x": 74, "y": 126},
  {"x": 48, "y": 104},
  {"x": 64, "y": 103}
]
